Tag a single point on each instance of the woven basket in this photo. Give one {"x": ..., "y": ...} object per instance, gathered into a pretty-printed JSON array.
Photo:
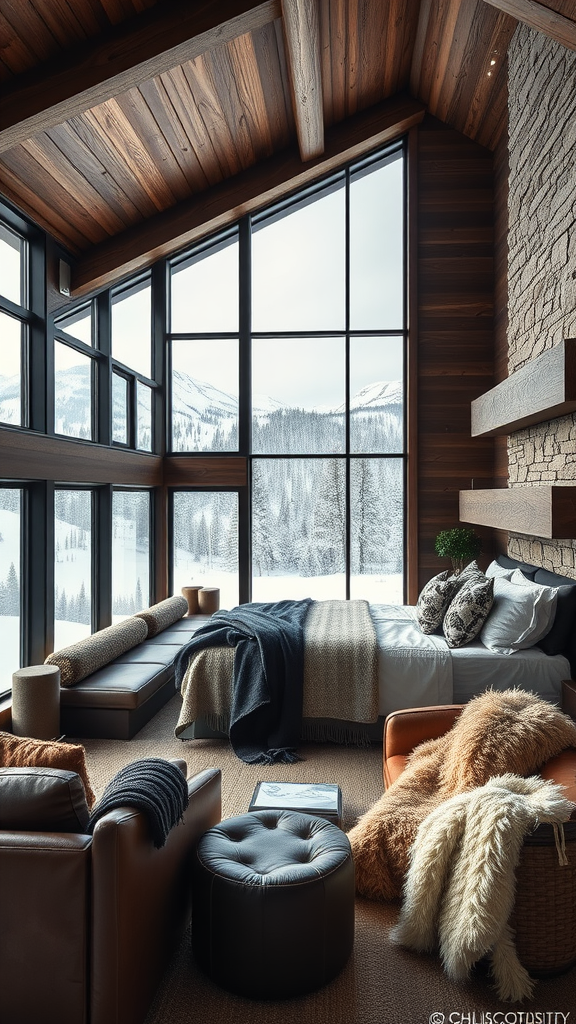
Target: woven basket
[{"x": 544, "y": 915}]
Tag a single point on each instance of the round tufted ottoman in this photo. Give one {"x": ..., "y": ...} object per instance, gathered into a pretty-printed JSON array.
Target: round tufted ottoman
[{"x": 273, "y": 903}]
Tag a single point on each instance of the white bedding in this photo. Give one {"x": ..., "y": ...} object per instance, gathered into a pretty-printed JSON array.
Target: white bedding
[{"x": 416, "y": 669}]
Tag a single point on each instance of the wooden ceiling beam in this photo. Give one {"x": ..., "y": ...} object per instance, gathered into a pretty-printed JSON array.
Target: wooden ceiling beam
[
  {"x": 137, "y": 50},
  {"x": 544, "y": 20},
  {"x": 302, "y": 40},
  {"x": 215, "y": 208}
]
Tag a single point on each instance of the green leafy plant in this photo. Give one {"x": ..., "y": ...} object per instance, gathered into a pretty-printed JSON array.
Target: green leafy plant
[{"x": 461, "y": 545}]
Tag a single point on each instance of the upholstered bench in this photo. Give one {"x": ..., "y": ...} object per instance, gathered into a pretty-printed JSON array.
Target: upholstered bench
[
  {"x": 273, "y": 896},
  {"x": 116, "y": 680}
]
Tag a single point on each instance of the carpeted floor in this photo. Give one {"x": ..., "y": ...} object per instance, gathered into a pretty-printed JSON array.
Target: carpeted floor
[{"x": 382, "y": 984}]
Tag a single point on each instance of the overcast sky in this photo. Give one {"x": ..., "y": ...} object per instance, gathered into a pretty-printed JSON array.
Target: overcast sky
[{"x": 298, "y": 265}]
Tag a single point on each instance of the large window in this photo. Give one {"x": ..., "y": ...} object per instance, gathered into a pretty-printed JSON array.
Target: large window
[
  {"x": 72, "y": 566},
  {"x": 130, "y": 552},
  {"x": 301, "y": 369},
  {"x": 132, "y": 364},
  {"x": 205, "y": 531},
  {"x": 13, "y": 327},
  {"x": 10, "y": 577}
]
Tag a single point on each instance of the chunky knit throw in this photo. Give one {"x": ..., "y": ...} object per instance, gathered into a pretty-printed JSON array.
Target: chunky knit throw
[{"x": 152, "y": 785}]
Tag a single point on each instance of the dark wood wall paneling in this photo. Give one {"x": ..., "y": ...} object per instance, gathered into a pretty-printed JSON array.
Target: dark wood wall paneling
[
  {"x": 501, "y": 171},
  {"x": 455, "y": 328},
  {"x": 33, "y": 456}
]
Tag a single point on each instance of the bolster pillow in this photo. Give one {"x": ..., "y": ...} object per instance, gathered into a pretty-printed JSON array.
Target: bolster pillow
[
  {"x": 87, "y": 656},
  {"x": 163, "y": 614}
]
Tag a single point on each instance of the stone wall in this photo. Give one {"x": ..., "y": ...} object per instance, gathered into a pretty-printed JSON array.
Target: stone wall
[{"x": 541, "y": 258}]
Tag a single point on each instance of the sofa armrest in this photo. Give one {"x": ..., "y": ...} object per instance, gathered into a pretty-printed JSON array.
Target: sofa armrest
[
  {"x": 141, "y": 901},
  {"x": 44, "y": 890},
  {"x": 569, "y": 698}
]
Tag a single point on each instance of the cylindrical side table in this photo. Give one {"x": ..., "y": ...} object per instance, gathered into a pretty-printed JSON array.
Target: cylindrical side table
[
  {"x": 36, "y": 702},
  {"x": 208, "y": 600},
  {"x": 191, "y": 595}
]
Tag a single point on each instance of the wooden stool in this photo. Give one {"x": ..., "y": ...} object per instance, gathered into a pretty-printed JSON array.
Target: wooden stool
[
  {"x": 191, "y": 595},
  {"x": 36, "y": 702},
  {"x": 208, "y": 600}
]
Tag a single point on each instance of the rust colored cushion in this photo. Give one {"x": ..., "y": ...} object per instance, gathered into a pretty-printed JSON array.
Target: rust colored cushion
[
  {"x": 22, "y": 752},
  {"x": 163, "y": 614}
]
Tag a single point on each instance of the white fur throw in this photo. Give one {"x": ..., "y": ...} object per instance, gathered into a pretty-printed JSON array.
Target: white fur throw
[{"x": 460, "y": 887}]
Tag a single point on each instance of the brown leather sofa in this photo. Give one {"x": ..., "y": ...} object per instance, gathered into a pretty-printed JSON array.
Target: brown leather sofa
[
  {"x": 89, "y": 922},
  {"x": 404, "y": 730}
]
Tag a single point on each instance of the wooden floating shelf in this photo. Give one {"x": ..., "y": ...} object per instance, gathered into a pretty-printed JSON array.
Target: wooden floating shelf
[
  {"x": 541, "y": 390},
  {"x": 538, "y": 511}
]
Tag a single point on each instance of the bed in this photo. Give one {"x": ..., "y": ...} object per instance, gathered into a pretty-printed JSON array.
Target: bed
[{"x": 408, "y": 668}]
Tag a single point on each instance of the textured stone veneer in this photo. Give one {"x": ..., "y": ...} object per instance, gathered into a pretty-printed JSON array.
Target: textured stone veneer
[{"x": 541, "y": 258}]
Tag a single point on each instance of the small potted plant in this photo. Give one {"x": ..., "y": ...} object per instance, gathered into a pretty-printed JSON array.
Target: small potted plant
[{"x": 461, "y": 545}]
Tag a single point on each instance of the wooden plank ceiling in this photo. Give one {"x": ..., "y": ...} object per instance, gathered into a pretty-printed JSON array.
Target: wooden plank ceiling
[{"x": 123, "y": 121}]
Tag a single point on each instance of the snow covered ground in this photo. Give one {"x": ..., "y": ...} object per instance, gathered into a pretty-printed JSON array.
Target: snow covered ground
[{"x": 379, "y": 589}]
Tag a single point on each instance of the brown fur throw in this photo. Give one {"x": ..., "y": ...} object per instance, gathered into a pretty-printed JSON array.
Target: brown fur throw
[
  {"x": 497, "y": 733},
  {"x": 22, "y": 752}
]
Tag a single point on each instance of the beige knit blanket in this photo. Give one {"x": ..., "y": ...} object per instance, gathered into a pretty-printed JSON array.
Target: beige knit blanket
[{"x": 340, "y": 670}]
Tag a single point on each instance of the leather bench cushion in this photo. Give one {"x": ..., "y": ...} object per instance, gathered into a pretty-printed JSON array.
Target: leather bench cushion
[
  {"x": 172, "y": 636},
  {"x": 189, "y": 624},
  {"x": 117, "y": 686},
  {"x": 150, "y": 654}
]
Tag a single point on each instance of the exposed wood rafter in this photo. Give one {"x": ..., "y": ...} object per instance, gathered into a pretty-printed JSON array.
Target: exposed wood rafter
[
  {"x": 544, "y": 20},
  {"x": 271, "y": 179},
  {"x": 302, "y": 40},
  {"x": 137, "y": 50}
]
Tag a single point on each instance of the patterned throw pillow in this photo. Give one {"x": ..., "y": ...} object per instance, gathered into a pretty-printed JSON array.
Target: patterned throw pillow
[
  {"x": 470, "y": 574},
  {"x": 468, "y": 611},
  {"x": 434, "y": 600}
]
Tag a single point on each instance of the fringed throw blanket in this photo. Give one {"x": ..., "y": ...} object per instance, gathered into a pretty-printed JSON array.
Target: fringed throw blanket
[
  {"x": 152, "y": 785},
  {"x": 497, "y": 733},
  {"x": 268, "y": 671},
  {"x": 461, "y": 882},
  {"x": 340, "y": 672}
]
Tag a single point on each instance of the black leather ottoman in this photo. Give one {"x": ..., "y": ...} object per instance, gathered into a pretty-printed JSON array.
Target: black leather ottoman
[{"x": 273, "y": 903}]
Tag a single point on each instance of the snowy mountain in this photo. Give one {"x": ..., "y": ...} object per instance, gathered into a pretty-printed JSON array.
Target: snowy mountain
[
  {"x": 206, "y": 418},
  {"x": 376, "y": 396}
]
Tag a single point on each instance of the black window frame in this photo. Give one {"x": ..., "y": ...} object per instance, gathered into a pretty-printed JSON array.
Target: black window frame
[{"x": 244, "y": 227}]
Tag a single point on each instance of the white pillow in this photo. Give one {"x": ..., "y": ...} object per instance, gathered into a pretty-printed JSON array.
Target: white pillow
[
  {"x": 495, "y": 570},
  {"x": 522, "y": 613}
]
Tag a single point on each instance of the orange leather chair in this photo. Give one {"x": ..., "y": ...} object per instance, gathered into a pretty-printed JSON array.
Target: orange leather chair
[{"x": 404, "y": 730}]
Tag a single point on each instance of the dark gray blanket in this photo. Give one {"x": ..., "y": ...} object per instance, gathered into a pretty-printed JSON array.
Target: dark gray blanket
[
  {"x": 152, "y": 785},
  {"x": 266, "y": 712}
]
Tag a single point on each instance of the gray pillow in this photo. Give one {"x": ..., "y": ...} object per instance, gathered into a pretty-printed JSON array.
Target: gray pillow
[
  {"x": 434, "y": 600},
  {"x": 468, "y": 611}
]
